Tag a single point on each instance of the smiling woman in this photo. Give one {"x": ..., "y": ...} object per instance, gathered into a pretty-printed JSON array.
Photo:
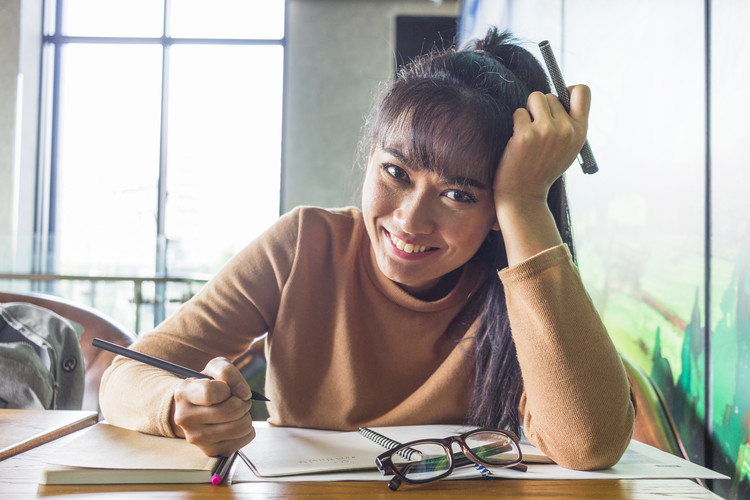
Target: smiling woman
[{"x": 452, "y": 288}]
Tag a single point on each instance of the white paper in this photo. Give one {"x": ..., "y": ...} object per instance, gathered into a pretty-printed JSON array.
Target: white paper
[{"x": 640, "y": 461}]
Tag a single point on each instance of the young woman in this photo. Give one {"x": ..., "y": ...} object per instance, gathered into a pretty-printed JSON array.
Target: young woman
[{"x": 451, "y": 297}]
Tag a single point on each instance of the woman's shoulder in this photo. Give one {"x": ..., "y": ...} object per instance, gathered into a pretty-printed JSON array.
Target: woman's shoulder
[
  {"x": 331, "y": 220},
  {"x": 336, "y": 215}
]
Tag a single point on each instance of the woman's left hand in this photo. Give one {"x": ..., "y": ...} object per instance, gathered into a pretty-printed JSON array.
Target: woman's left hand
[{"x": 545, "y": 142}]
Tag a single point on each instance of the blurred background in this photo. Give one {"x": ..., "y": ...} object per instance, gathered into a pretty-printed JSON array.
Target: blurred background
[{"x": 143, "y": 143}]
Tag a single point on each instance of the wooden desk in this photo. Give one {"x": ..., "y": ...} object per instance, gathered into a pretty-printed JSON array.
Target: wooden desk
[
  {"x": 19, "y": 476},
  {"x": 19, "y": 479}
]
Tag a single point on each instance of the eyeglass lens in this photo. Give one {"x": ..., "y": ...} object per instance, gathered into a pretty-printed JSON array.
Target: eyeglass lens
[
  {"x": 494, "y": 448},
  {"x": 429, "y": 461},
  {"x": 426, "y": 461}
]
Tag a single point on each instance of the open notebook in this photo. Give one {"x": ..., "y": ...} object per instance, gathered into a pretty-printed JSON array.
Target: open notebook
[
  {"x": 286, "y": 451},
  {"x": 106, "y": 454},
  {"x": 109, "y": 454}
]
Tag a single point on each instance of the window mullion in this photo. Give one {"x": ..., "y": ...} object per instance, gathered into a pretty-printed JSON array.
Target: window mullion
[{"x": 161, "y": 238}]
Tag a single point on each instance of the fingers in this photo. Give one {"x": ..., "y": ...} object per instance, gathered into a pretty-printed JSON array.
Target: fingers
[
  {"x": 549, "y": 117},
  {"x": 222, "y": 370},
  {"x": 548, "y": 105},
  {"x": 214, "y": 414},
  {"x": 546, "y": 140},
  {"x": 221, "y": 438},
  {"x": 207, "y": 402}
]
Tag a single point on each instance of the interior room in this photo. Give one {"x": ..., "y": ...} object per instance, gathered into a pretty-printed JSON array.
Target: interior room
[{"x": 144, "y": 143}]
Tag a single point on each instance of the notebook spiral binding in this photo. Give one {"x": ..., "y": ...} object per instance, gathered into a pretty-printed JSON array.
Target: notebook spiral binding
[
  {"x": 486, "y": 473},
  {"x": 386, "y": 442}
]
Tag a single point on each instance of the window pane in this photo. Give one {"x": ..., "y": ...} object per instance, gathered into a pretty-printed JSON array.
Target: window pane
[
  {"x": 108, "y": 159},
  {"x": 136, "y": 18},
  {"x": 227, "y": 19},
  {"x": 224, "y": 151}
]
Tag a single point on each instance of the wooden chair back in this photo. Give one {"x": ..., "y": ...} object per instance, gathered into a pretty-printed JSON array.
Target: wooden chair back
[
  {"x": 653, "y": 422},
  {"x": 95, "y": 324}
]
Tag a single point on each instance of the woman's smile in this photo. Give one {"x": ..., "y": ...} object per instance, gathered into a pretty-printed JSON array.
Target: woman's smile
[{"x": 406, "y": 249}]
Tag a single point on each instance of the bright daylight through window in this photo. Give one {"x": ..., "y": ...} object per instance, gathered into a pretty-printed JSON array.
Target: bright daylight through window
[{"x": 163, "y": 138}]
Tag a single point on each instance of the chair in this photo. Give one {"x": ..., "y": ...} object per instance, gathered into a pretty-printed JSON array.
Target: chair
[
  {"x": 653, "y": 422},
  {"x": 95, "y": 324},
  {"x": 252, "y": 364}
]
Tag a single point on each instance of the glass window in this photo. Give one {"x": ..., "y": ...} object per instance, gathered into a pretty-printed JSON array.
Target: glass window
[
  {"x": 108, "y": 160},
  {"x": 261, "y": 19},
  {"x": 139, "y": 117},
  {"x": 224, "y": 151},
  {"x": 113, "y": 18}
]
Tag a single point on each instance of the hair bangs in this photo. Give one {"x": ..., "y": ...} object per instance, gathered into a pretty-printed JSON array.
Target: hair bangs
[{"x": 444, "y": 130}]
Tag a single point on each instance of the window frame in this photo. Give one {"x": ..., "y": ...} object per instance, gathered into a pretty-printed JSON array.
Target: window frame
[{"x": 46, "y": 189}]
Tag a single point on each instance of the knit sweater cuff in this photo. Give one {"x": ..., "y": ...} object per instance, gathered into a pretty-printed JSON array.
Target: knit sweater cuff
[{"x": 536, "y": 264}]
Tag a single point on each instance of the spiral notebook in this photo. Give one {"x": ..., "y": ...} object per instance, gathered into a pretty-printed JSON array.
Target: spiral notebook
[{"x": 286, "y": 451}]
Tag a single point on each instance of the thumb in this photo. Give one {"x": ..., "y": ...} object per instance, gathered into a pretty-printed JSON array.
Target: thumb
[{"x": 580, "y": 103}]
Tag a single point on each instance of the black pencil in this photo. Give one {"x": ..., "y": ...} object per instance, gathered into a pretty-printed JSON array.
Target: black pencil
[{"x": 160, "y": 363}]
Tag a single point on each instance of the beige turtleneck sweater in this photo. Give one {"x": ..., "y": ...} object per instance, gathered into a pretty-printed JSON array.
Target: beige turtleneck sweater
[{"x": 347, "y": 347}]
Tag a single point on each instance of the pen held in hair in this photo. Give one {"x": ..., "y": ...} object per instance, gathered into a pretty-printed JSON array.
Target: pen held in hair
[{"x": 586, "y": 157}]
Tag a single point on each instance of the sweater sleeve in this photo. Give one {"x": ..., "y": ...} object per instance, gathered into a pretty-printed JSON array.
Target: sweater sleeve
[
  {"x": 576, "y": 404},
  {"x": 239, "y": 304}
]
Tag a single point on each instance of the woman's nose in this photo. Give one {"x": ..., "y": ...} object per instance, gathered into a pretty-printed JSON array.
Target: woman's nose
[{"x": 415, "y": 216}]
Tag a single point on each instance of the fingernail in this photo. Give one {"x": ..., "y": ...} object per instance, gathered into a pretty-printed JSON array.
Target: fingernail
[{"x": 242, "y": 391}]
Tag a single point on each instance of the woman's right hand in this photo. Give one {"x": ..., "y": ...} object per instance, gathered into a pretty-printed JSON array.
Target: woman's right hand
[{"x": 214, "y": 414}]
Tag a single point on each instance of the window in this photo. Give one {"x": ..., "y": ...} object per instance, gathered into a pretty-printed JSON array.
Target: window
[{"x": 161, "y": 148}]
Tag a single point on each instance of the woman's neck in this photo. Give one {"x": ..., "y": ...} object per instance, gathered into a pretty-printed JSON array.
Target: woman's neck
[{"x": 440, "y": 290}]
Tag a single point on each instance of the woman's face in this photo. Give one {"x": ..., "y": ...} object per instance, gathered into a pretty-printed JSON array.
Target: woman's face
[{"x": 423, "y": 225}]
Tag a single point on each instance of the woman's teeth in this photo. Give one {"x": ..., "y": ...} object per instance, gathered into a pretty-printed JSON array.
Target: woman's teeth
[{"x": 407, "y": 247}]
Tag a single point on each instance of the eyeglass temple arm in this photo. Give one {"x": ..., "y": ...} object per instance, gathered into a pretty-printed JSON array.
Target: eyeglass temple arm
[{"x": 460, "y": 460}]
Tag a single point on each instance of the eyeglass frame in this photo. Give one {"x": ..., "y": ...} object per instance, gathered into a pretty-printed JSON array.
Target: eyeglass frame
[{"x": 385, "y": 464}]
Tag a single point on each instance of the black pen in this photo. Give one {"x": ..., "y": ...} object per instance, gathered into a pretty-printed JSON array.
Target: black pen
[
  {"x": 160, "y": 363},
  {"x": 587, "y": 161}
]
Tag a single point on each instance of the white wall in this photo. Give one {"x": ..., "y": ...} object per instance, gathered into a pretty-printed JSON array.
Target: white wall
[
  {"x": 337, "y": 53},
  {"x": 10, "y": 14},
  {"x": 20, "y": 43}
]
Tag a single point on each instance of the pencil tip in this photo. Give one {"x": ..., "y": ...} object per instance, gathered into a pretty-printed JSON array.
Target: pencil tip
[{"x": 256, "y": 396}]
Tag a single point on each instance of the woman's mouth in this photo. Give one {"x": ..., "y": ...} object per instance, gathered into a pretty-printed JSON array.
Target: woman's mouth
[{"x": 407, "y": 248}]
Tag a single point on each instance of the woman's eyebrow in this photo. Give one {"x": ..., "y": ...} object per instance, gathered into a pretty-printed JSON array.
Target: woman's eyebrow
[
  {"x": 453, "y": 180},
  {"x": 463, "y": 181},
  {"x": 398, "y": 154}
]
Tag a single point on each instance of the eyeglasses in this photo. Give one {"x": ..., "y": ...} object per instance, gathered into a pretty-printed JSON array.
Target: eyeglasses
[{"x": 425, "y": 460}]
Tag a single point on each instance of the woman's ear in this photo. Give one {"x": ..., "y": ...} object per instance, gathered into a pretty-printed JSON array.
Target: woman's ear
[{"x": 495, "y": 226}]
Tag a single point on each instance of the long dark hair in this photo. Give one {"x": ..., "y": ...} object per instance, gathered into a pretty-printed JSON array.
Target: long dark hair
[{"x": 456, "y": 105}]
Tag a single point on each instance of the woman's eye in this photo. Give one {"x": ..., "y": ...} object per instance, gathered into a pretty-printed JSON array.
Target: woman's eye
[
  {"x": 460, "y": 196},
  {"x": 396, "y": 172}
]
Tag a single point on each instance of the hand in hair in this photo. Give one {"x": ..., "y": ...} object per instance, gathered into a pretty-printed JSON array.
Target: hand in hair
[{"x": 545, "y": 142}]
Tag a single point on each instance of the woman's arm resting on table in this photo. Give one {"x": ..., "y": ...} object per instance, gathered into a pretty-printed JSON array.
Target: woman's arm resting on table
[{"x": 576, "y": 406}]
